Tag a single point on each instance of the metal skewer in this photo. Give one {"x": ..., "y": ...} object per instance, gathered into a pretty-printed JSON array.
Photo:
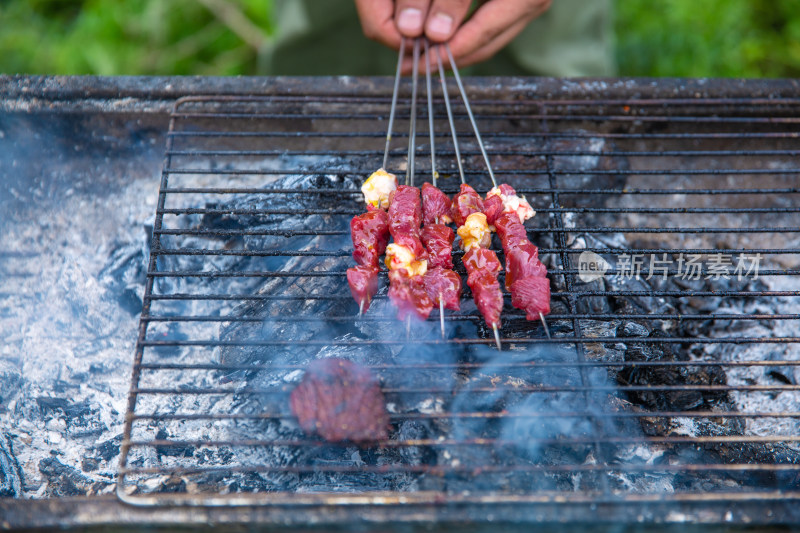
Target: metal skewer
[
  {"x": 449, "y": 115},
  {"x": 497, "y": 337},
  {"x": 544, "y": 323},
  {"x": 434, "y": 174},
  {"x": 394, "y": 102},
  {"x": 361, "y": 308},
  {"x": 412, "y": 128},
  {"x": 469, "y": 111}
]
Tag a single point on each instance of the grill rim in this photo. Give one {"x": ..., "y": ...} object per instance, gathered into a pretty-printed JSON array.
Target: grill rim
[
  {"x": 108, "y": 510},
  {"x": 158, "y": 94}
]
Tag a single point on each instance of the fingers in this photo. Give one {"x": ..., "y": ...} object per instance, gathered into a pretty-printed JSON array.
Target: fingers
[
  {"x": 444, "y": 17},
  {"x": 377, "y": 21},
  {"x": 437, "y": 19},
  {"x": 409, "y": 16},
  {"x": 493, "y": 26},
  {"x": 491, "y": 48}
]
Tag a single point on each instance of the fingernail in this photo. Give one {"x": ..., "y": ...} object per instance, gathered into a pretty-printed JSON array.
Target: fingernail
[
  {"x": 410, "y": 20},
  {"x": 440, "y": 24}
]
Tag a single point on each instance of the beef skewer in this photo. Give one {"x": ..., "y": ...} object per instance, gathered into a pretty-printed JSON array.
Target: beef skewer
[
  {"x": 370, "y": 231},
  {"x": 406, "y": 256},
  {"x": 482, "y": 267},
  {"x": 467, "y": 213},
  {"x": 420, "y": 262},
  {"x": 370, "y": 234},
  {"x": 525, "y": 274},
  {"x": 463, "y": 92},
  {"x": 442, "y": 284},
  {"x": 481, "y": 263}
]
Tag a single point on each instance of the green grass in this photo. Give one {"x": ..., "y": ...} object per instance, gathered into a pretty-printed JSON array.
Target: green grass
[
  {"x": 716, "y": 38},
  {"x": 125, "y": 37}
]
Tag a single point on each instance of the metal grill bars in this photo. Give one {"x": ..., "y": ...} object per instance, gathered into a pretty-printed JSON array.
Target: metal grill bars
[{"x": 647, "y": 169}]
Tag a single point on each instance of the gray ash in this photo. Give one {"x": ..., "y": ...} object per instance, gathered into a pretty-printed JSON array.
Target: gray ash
[{"x": 92, "y": 294}]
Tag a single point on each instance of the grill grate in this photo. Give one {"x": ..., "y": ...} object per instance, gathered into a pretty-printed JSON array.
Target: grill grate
[{"x": 650, "y": 390}]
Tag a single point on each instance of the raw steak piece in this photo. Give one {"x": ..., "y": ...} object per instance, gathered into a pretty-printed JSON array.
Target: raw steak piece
[{"x": 340, "y": 401}]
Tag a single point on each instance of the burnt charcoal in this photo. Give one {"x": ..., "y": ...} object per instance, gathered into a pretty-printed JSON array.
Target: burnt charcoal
[
  {"x": 783, "y": 374},
  {"x": 340, "y": 401},
  {"x": 130, "y": 301},
  {"x": 681, "y": 400},
  {"x": 109, "y": 449},
  {"x": 10, "y": 380},
  {"x": 89, "y": 425},
  {"x": 587, "y": 154},
  {"x": 124, "y": 274},
  {"x": 50, "y": 405},
  {"x": 244, "y": 482},
  {"x": 10, "y": 477},
  {"x": 172, "y": 484},
  {"x": 286, "y": 221},
  {"x": 83, "y": 419},
  {"x": 64, "y": 480},
  {"x": 90, "y": 464},
  {"x": 592, "y": 304},
  {"x": 171, "y": 451},
  {"x": 275, "y": 312},
  {"x": 172, "y": 333},
  {"x": 408, "y": 430},
  {"x": 630, "y": 328},
  {"x": 737, "y": 453}
]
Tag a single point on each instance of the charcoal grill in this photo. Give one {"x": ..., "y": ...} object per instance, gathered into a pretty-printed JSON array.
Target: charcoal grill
[{"x": 669, "y": 173}]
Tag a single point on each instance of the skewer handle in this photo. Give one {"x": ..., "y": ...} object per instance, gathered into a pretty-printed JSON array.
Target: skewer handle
[
  {"x": 394, "y": 102},
  {"x": 434, "y": 173},
  {"x": 412, "y": 128},
  {"x": 450, "y": 115},
  {"x": 469, "y": 112}
]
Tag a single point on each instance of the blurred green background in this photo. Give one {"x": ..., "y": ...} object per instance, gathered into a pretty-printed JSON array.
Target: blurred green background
[{"x": 717, "y": 38}]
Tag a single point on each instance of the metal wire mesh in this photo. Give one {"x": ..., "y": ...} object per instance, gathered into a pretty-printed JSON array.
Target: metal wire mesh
[{"x": 615, "y": 177}]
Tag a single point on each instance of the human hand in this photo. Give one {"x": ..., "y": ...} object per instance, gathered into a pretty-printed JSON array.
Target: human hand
[{"x": 493, "y": 25}]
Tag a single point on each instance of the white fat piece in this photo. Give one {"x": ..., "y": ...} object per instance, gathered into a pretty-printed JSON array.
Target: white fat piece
[
  {"x": 475, "y": 233},
  {"x": 401, "y": 257},
  {"x": 514, "y": 203},
  {"x": 378, "y": 187}
]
